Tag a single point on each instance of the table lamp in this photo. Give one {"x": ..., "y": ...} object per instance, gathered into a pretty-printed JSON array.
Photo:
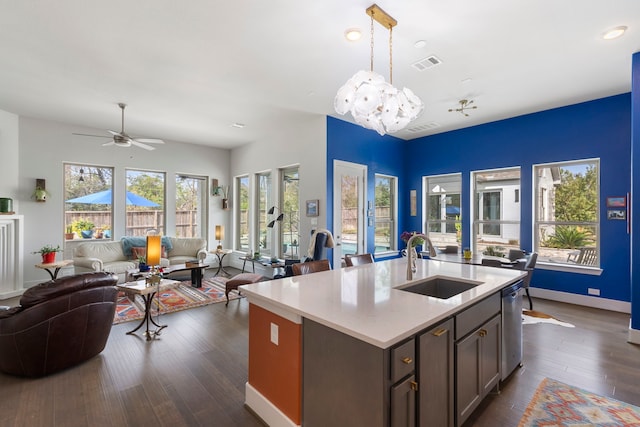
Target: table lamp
[
  {"x": 154, "y": 249},
  {"x": 219, "y": 235}
]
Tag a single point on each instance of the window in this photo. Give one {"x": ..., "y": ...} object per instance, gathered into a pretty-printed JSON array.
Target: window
[
  {"x": 385, "y": 230},
  {"x": 443, "y": 219},
  {"x": 191, "y": 202},
  {"x": 496, "y": 223},
  {"x": 263, "y": 204},
  {"x": 89, "y": 202},
  {"x": 144, "y": 202},
  {"x": 290, "y": 202},
  {"x": 242, "y": 213},
  {"x": 567, "y": 206}
]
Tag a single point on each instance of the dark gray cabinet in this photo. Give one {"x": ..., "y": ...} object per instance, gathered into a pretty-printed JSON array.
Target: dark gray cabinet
[
  {"x": 435, "y": 376},
  {"x": 477, "y": 367},
  {"x": 403, "y": 403}
]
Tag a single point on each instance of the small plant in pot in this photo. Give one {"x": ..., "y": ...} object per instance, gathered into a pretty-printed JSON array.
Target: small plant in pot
[
  {"x": 142, "y": 263},
  {"x": 48, "y": 253},
  {"x": 68, "y": 235}
]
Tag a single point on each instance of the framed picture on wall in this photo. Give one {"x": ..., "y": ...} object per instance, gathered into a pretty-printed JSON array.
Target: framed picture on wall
[
  {"x": 312, "y": 207},
  {"x": 616, "y": 202},
  {"x": 616, "y": 214}
]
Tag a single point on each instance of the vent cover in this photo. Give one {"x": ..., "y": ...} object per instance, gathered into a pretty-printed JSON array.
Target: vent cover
[
  {"x": 422, "y": 128},
  {"x": 426, "y": 63}
]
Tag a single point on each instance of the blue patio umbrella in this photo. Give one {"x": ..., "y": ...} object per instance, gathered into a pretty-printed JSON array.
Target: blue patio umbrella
[
  {"x": 453, "y": 210},
  {"x": 104, "y": 198}
]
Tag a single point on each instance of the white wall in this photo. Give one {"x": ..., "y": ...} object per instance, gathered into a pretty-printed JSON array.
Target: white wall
[
  {"x": 45, "y": 145},
  {"x": 9, "y": 152},
  {"x": 303, "y": 143}
]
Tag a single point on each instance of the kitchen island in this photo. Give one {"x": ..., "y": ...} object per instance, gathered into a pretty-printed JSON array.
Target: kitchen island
[{"x": 342, "y": 347}]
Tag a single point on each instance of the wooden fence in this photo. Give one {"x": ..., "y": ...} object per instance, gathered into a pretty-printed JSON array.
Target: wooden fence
[{"x": 138, "y": 223}]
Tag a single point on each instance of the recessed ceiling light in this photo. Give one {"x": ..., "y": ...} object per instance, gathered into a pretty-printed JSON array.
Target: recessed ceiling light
[
  {"x": 420, "y": 44},
  {"x": 467, "y": 80},
  {"x": 353, "y": 34},
  {"x": 237, "y": 125},
  {"x": 614, "y": 33}
]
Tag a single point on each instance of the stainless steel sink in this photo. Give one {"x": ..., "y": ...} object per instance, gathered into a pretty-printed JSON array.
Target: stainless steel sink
[{"x": 440, "y": 287}]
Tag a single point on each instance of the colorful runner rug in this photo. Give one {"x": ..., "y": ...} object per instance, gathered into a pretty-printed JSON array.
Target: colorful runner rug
[
  {"x": 558, "y": 404},
  {"x": 182, "y": 297}
]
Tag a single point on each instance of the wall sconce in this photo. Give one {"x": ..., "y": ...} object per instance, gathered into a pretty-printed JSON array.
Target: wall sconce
[
  {"x": 219, "y": 235},
  {"x": 278, "y": 219}
]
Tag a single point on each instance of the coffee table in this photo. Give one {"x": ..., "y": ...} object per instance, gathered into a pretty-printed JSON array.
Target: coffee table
[
  {"x": 140, "y": 287},
  {"x": 196, "y": 272}
]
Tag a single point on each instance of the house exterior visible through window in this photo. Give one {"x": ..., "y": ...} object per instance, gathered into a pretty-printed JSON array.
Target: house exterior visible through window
[
  {"x": 566, "y": 225},
  {"x": 145, "y": 202},
  {"x": 290, "y": 204},
  {"x": 191, "y": 202},
  {"x": 496, "y": 220},
  {"x": 385, "y": 206},
  {"x": 242, "y": 213},
  {"x": 88, "y": 208},
  {"x": 443, "y": 214},
  {"x": 263, "y": 204}
]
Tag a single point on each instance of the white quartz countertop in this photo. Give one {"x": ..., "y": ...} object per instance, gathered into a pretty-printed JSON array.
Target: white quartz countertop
[{"x": 364, "y": 301}]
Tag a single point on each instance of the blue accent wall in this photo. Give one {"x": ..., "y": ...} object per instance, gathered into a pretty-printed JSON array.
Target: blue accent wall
[
  {"x": 596, "y": 129},
  {"x": 635, "y": 191}
]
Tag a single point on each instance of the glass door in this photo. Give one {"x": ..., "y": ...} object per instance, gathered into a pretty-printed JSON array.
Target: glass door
[{"x": 349, "y": 183}]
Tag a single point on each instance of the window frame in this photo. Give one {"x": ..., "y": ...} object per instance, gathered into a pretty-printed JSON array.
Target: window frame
[
  {"x": 237, "y": 241},
  {"x": 393, "y": 214},
  {"x": 163, "y": 222},
  {"x": 456, "y": 178},
  {"x": 539, "y": 205},
  {"x": 203, "y": 203},
  {"x": 503, "y": 223},
  {"x": 261, "y": 216}
]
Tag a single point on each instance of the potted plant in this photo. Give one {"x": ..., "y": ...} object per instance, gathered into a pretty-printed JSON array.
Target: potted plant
[
  {"x": 142, "y": 263},
  {"x": 40, "y": 194},
  {"x": 48, "y": 253},
  {"x": 83, "y": 227},
  {"x": 68, "y": 235}
]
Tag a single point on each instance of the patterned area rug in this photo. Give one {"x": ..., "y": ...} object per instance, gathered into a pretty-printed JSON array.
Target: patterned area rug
[
  {"x": 182, "y": 297},
  {"x": 558, "y": 404}
]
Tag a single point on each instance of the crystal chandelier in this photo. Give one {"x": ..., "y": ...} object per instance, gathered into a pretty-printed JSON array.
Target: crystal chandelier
[{"x": 374, "y": 103}]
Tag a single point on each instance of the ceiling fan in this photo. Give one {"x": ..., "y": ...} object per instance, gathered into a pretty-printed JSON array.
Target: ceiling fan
[{"x": 122, "y": 139}]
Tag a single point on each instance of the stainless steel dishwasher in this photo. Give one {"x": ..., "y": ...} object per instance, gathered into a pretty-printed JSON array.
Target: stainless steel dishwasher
[{"x": 511, "y": 329}]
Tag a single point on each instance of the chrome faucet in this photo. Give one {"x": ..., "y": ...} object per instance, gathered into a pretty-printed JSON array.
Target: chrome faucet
[{"x": 409, "y": 253}]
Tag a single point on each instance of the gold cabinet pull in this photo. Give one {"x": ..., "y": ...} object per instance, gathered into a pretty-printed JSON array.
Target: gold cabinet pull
[
  {"x": 407, "y": 360},
  {"x": 483, "y": 332},
  {"x": 413, "y": 385},
  {"x": 440, "y": 332}
]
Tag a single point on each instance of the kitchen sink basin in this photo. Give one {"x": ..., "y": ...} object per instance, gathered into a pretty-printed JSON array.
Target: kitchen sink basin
[{"x": 440, "y": 287}]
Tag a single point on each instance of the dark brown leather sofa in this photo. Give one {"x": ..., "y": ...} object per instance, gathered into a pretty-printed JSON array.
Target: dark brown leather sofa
[{"x": 58, "y": 324}]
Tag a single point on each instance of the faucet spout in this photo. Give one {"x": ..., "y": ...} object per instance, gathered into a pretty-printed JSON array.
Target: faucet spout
[{"x": 410, "y": 253}]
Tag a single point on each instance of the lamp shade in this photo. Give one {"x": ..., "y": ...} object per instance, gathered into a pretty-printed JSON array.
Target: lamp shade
[
  {"x": 219, "y": 232},
  {"x": 154, "y": 248}
]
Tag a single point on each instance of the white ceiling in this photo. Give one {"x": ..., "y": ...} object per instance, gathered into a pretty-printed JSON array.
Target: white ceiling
[{"x": 189, "y": 70}]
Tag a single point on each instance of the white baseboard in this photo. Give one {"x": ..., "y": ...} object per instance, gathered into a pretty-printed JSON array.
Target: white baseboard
[
  {"x": 634, "y": 335},
  {"x": 586, "y": 300},
  {"x": 266, "y": 410}
]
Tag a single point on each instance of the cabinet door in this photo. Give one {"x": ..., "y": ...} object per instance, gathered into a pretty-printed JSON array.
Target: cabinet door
[
  {"x": 490, "y": 363},
  {"x": 435, "y": 376},
  {"x": 468, "y": 386},
  {"x": 403, "y": 403}
]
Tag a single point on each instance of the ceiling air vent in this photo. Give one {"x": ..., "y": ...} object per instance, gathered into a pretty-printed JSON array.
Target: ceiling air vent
[
  {"x": 422, "y": 128},
  {"x": 426, "y": 63}
]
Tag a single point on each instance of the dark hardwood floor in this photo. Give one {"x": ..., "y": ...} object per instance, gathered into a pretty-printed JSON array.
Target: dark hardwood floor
[{"x": 194, "y": 374}]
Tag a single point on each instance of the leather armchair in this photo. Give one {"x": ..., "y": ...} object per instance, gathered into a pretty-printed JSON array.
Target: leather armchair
[{"x": 58, "y": 324}]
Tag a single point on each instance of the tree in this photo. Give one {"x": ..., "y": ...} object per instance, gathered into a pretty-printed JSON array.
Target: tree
[{"x": 576, "y": 197}]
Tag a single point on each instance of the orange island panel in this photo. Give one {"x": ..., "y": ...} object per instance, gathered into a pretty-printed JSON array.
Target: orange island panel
[{"x": 276, "y": 370}]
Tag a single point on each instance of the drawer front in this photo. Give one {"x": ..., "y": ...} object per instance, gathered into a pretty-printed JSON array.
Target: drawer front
[
  {"x": 403, "y": 360},
  {"x": 476, "y": 315}
]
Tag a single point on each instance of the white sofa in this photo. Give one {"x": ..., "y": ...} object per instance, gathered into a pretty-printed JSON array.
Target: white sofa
[{"x": 116, "y": 256}]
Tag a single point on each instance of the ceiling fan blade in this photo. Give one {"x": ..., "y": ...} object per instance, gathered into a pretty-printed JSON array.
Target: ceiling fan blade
[
  {"x": 86, "y": 134},
  {"x": 150, "y": 140},
  {"x": 114, "y": 133},
  {"x": 141, "y": 145},
  {"x": 109, "y": 143}
]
